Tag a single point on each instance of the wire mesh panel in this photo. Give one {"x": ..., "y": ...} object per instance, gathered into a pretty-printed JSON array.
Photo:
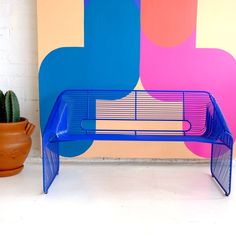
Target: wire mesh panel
[
  {"x": 221, "y": 165},
  {"x": 138, "y": 115},
  {"x": 50, "y": 164}
]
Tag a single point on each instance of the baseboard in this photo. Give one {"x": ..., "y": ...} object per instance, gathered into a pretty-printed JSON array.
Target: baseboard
[{"x": 111, "y": 160}]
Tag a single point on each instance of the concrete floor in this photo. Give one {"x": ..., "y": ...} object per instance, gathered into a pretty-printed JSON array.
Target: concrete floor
[{"x": 116, "y": 199}]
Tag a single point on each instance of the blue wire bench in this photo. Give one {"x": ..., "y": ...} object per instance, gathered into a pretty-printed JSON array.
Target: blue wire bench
[{"x": 137, "y": 115}]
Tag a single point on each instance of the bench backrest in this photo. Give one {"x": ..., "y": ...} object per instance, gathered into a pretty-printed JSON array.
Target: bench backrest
[{"x": 135, "y": 112}]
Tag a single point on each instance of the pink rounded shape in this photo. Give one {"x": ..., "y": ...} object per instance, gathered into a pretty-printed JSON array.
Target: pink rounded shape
[{"x": 185, "y": 67}]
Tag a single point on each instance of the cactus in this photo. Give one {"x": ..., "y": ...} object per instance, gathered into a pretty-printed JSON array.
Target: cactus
[
  {"x": 9, "y": 105},
  {"x": 2, "y": 107}
]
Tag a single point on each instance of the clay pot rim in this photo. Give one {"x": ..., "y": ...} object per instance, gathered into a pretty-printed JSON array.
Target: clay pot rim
[{"x": 22, "y": 121}]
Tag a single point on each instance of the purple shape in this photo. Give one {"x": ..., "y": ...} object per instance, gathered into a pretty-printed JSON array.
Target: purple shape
[
  {"x": 86, "y": 2},
  {"x": 137, "y": 2}
]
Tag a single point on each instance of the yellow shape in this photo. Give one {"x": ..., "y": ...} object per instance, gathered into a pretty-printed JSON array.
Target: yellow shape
[
  {"x": 60, "y": 24},
  {"x": 139, "y": 85},
  {"x": 216, "y": 25}
]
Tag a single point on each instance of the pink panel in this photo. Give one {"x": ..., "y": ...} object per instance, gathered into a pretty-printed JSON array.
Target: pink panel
[{"x": 187, "y": 67}]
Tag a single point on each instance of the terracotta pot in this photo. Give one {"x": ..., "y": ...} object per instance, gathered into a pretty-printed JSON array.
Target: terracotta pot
[{"x": 15, "y": 144}]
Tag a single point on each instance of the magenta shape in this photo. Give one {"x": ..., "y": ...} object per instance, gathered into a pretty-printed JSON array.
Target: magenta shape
[{"x": 185, "y": 67}]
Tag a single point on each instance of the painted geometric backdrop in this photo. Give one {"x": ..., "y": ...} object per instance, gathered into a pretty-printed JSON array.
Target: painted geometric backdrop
[{"x": 128, "y": 44}]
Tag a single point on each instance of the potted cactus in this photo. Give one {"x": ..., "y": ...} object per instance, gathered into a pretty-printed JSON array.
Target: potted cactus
[{"x": 15, "y": 135}]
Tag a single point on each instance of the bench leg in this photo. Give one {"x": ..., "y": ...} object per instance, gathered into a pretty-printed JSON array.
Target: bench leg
[
  {"x": 50, "y": 164},
  {"x": 221, "y": 166}
]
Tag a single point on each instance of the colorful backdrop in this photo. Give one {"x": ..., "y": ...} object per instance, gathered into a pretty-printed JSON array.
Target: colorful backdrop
[{"x": 128, "y": 44}]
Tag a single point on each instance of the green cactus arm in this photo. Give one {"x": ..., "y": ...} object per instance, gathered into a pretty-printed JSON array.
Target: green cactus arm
[
  {"x": 2, "y": 108},
  {"x": 12, "y": 107}
]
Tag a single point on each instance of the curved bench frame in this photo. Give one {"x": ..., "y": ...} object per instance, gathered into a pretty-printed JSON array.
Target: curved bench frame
[{"x": 76, "y": 114}]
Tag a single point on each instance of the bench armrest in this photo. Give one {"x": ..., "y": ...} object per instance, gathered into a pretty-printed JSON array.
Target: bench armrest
[
  {"x": 219, "y": 127},
  {"x": 57, "y": 121}
]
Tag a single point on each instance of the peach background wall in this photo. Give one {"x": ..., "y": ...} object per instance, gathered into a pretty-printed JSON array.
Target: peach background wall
[
  {"x": 207, "y": 25},
  {"x": 57, "y": 27}
]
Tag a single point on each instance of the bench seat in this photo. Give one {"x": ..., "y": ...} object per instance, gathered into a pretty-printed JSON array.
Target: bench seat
[{"x": 120, "y": 137}]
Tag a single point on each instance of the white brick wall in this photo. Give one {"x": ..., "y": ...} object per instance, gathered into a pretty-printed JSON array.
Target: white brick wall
[{"x": 18, "y": 58}]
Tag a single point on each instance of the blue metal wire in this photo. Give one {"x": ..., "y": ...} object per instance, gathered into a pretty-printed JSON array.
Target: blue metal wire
[{"x": 76, "y": 112}]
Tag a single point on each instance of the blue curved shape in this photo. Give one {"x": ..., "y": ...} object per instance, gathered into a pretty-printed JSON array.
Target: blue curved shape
[{"x": 109, "y": 60}]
